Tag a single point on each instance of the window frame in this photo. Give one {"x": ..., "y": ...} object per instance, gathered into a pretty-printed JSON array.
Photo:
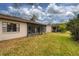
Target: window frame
[{"x": 5, "y": 27}]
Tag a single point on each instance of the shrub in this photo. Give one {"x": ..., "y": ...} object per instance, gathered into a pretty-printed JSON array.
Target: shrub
[{"x": 62, "y": 27}]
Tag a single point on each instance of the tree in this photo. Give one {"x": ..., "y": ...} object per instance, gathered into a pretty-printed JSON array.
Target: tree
[
  {"x": 33, "y": 18},
  {"x": 73, "y": 27}
]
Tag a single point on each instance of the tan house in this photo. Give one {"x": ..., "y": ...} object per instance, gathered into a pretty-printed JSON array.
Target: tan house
[{"x": 14, "y": 27}]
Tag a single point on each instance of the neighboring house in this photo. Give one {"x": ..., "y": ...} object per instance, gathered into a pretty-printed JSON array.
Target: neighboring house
[
  {"x": 49, "y": 28},
  {"x": 15, "y": 27}
]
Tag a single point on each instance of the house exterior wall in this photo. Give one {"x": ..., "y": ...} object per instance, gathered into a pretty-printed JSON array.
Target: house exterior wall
[
  {"x": 12, "y": 35},
  {"x": 48, "y": 28}
]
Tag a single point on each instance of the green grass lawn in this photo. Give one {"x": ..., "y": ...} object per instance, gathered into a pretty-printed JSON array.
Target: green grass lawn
[{"x": 57, "y": 44}]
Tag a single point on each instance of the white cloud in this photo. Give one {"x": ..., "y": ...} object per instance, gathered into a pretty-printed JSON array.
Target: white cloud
[
  {"x": 20, "y": 12},
  {"x": 39, "y": 7},
  {"x": 52, "y": 13},
  {"x": 53, "y": 8},
  {"x": 62, "y": 12},
  {"x": 24, "y": 12},
  {"x": 12, "y": 9},
  {"x": 38, "y": 12},
  {"x": 69, "y": 13}
]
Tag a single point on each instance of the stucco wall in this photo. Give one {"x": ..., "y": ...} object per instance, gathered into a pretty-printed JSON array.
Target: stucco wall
[
  {"x": 48, "y": 28},
  {"x": 11, "y": 35}
]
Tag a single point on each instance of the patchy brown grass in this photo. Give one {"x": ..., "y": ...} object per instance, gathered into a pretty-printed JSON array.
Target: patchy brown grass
[{"x": 40, "y": 45}]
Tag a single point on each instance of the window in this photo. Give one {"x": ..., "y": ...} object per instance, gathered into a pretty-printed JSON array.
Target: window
[
  {"x": 4, "y": 27},
  {"x": 29, "y": 29},
  {"x": 10, "y": 27}
]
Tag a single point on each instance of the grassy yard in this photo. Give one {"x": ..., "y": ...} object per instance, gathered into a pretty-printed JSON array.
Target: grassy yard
[{"x": 57, "y": 44}]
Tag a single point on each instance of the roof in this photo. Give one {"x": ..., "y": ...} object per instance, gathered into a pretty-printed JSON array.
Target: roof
[{"x": 19, "y": 19}]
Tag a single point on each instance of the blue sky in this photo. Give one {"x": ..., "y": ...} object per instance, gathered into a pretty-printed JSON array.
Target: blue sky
[
  {"x": 4, "y": 6},
  {"x": 46, "y": 12}
]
